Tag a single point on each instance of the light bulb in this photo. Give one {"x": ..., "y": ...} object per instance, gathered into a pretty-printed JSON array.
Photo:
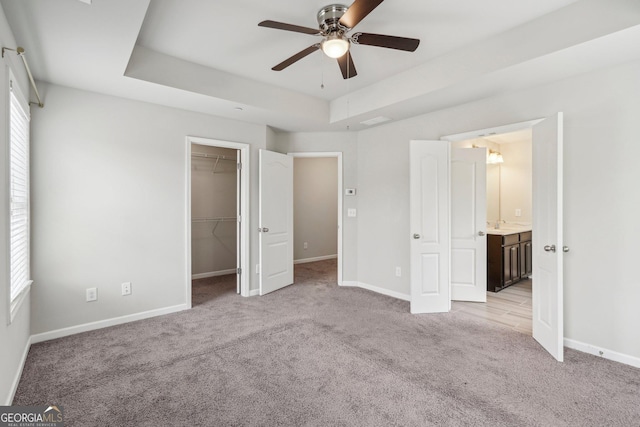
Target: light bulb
[{"x": 335, "y": 46}]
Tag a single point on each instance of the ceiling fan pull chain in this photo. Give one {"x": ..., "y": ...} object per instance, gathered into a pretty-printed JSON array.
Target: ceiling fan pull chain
[{"x": 322, "y": 72}]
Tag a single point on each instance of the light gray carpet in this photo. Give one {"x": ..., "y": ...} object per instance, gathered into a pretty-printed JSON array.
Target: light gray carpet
[{"x": 317, "y": 355}]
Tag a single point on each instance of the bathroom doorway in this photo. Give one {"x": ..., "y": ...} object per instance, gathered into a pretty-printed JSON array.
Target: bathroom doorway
[{"x": 509, "y": 231}]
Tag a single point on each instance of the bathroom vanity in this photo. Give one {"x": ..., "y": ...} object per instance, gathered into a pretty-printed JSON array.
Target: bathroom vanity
[{"x": 508, "y": 257}]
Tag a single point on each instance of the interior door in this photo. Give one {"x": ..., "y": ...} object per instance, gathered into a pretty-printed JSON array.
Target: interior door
[
  {"x": 429, "y": 221},
  {"x": 275, "y": 220},
  {"x": 238, "y": 222},
  {"x": 469, "y": 224},
  {"x": 547, "y": 239}
]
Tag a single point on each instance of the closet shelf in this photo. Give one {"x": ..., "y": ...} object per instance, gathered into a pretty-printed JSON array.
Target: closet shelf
[
  {"x": 218, "y": 219},
  {"x": 213, "y": 156}
]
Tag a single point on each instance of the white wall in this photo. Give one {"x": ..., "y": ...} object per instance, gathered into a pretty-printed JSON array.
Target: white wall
[
  {"x": 109, "y": 204},
  {"x": 345, "y": 142},
  {"x": 315, "y": 205},
  {"x": 213, "y": 195},
  {"x": 601, "y": 204},
  {"x": 14, "y": 337}
]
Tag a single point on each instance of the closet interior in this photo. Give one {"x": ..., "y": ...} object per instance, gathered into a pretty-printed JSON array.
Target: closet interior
[{"x": 214, "y": 211}]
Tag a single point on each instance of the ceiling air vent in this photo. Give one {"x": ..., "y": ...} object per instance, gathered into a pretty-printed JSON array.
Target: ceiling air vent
[{"x": 375, "y": 121}]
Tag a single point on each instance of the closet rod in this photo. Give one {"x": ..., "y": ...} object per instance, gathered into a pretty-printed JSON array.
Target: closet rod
[
  {"x": 20, "y": 52},
  {"x": 212, "y": 156}
]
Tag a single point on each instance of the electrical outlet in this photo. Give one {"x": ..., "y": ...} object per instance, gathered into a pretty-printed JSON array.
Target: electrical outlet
[
  {"x": 305, "y": 245},
  {"x": 351, "y": 213},
  {"x": 398, "y": 272},
  {"x": 518, "y": 212},
  {"x": 126, "y": 288},
  {"x": 92, "y": 294}
]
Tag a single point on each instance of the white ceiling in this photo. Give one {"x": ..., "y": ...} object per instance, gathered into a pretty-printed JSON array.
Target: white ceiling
[{"x": 211, "y": 56}]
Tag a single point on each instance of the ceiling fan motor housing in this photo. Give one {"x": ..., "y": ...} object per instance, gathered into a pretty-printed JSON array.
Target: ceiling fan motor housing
[{"x": 329, "y": 16}]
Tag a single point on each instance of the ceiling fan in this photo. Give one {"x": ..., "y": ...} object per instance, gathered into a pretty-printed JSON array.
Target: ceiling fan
[{"x": 335, "y": 21}]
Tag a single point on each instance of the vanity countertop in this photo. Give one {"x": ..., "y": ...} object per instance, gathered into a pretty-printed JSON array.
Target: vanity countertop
[{"x": 506, "y": 230}]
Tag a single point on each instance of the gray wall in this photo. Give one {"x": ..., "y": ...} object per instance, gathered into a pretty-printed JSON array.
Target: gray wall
[
  {"x": 109, "y": 204},
  {"x": 315, "y": 205},
  {"x": 14, "y": 337},
  {"x": 346, "y": 143},
  {"x": 601, "y": 206}
]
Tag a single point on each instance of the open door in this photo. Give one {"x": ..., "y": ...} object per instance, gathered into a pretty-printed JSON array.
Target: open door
[
  {"x": 547, "y": 236},
  {"x": 238, "y": 221},
  {"x": 429, "y": 221},
  {"x": 275, "y": 220},
  {"x": 469, "y": 224}
]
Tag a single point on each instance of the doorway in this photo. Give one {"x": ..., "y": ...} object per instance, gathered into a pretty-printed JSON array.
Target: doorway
[
  {"x": 547, "y": 243},
  {"x": 318, "y": 208},
  {"x": 509, "y": 197},
  {"x": 216, "y": 208}
]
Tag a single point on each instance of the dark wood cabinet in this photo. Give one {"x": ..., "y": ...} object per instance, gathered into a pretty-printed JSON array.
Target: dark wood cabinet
[{"x": 508, "y": 259}]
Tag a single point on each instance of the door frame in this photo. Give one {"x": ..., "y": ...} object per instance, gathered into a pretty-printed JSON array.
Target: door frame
[
  {"x": 529, "y": 124},
  {"x": 338, "y": 155},
  {"x": 245, "y": 151}
]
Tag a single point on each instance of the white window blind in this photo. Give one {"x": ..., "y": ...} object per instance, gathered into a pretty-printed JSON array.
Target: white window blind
[{"x": 19, "y": 195}]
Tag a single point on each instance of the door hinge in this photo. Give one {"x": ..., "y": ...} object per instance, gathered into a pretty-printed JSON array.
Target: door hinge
[
  {"x": 239, "y": 166},
  {"x": 239, "y": 271}
]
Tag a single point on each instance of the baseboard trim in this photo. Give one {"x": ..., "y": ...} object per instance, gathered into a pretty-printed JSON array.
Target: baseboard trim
[
  {"x": 602, "y": 352},
  {"x": 16, "y": 379},
  {"x": 376, "y": 289},
  {"x": 213, "y": 274},
  {"x": 254, "y": 292},
  {"x": 314, "y": 259},
  {"x": 72, "y": 330}
]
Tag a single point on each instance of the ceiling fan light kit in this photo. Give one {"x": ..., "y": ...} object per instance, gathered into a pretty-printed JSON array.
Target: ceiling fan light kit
[
  {"x": 335, "y": 21},
  {"x": 334, "y": 46}
]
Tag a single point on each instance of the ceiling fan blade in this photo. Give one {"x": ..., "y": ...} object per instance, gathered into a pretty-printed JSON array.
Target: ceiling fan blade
[
  {"x": 289, "y": 27},
  {"x": 357, "y": 11},
  {"x": 381, "y": 40},
  {"x": 346, "y": 66},
  {"x": 297, "y": 57}
]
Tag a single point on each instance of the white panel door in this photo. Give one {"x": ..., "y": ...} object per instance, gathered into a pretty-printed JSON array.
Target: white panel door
[
  {"x": 469, "y": 224},
  {"x": 239, "y": 221},
  {"x": 276, "y": 220},
  {"x": 547, "y": 236},
  {"x": 429, "y": 222}
]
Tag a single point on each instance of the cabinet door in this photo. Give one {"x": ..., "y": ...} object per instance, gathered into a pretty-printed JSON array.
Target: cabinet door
[
  {"x": 511, "y": 266},
  {"x": 526, "y": 255},
  {"x": 515, "y": 263}
]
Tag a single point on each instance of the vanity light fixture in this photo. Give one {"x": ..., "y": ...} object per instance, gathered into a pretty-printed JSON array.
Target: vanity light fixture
[{"x": 494, "y": 158}]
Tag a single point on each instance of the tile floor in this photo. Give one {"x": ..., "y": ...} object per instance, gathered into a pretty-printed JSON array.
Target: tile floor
[{"x": 510, "y": 307}]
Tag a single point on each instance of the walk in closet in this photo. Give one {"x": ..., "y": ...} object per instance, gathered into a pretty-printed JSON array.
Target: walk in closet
[{"x": 214, "y": 211}]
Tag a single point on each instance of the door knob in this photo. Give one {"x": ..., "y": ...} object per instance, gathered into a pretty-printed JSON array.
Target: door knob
[
  {"x": 551, "y": 248},
  {"x": 565, "y": 249},
  {"x": 263, "y": 230},
  {"x": 480, "y": 233},
  {"x": 416, "y": 236}
]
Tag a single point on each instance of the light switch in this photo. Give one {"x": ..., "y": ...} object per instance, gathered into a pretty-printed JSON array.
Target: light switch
[{"x": 351, "y": 212}]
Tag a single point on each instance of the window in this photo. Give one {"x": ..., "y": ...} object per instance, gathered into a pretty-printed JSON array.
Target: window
[{"x": 19, "y": 248}]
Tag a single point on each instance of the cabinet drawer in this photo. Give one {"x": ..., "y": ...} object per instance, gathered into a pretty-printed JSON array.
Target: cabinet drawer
[
  {"x": 510, "y": 239},
  {"x": 525, "y": 237}
]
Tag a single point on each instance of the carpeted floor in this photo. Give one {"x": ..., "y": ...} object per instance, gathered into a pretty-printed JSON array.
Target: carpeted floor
[{"x": 317, "y": 355}]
